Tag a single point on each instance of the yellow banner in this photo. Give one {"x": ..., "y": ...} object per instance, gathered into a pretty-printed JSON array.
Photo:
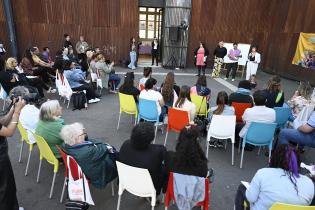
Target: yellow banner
[{"x": 305, "y": 51}]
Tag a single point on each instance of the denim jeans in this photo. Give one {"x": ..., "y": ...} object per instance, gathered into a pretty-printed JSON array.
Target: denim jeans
[
  {"x": 133, "y": 58},
  {"x": 114, "y": 78},
  {"x": 296, "y": 136}
]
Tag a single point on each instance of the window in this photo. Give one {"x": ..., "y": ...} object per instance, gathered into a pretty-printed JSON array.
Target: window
[{"x": 150, "y": 22}]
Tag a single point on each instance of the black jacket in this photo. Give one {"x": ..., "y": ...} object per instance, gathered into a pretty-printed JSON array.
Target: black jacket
[{"x": 157, "y": 50}]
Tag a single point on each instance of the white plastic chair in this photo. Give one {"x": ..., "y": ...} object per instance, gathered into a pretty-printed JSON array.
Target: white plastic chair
[
  {"x": 222, "y": 127},
  {"x": 304, "y": 115},
  {"x": 3, "y": 96},
  {"x": 136, "y": 181}
]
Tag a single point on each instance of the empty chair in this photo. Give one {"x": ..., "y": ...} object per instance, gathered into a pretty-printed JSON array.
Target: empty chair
[
  {"x": 177, "y": 120},
  {"x": 259, "y": 134},
  {"x": 240, "y": 109},
  {"x": 24, "y": 138},
  {"x": 201, "y": 104},
  {"x": 222, "y": 127},
  {"x": 136, "y": 181},
  {"x": 127, "y": 105},
  {"x": 282, "y": 116},
  {"x": 46, "y": 153},
  {"x": 282, "y": 206}
]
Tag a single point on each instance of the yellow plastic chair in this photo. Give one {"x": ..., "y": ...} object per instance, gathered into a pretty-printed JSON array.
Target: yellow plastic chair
[
  {"x": 127, "y": 105},
  {"x": 24, "y": 138},
  {"x": 201, "y": 104},
  {"x": 46, "y": 153},
  {"x": 282, "y": 206}
]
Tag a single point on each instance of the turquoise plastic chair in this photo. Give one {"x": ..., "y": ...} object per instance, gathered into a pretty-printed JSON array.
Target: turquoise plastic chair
[
  {"x": 148, "y": 111},
  {"x": 259, "y": 134},
  {"x": 282, "y": 116}
]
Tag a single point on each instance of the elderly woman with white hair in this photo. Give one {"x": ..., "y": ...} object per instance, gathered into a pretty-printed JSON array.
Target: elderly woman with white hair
[
  {"x": 50, "y": 124},
  {"x": 97, "y": 160}
]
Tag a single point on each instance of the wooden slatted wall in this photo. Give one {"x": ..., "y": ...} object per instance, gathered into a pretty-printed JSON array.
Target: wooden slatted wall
[{"x": 3, "y": 29}]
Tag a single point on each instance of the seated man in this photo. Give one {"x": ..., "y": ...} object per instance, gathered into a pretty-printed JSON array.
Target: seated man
[
  {"x": 304, "y": 135},
  {"x": 243, "y": 94},
  {"x": 97, "y": 160},
  {"x": 139, "y": 152}
]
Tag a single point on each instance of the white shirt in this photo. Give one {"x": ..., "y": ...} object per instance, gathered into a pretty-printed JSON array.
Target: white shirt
[
  {"x": 142, "y": 81},
  {"x": 189, "y": 107},
  {"x": 257, "y": 114},
  {"x": 271, "y": 185},
  {"x": 29, "y": 117},
  {"x": 153, "y": 96}
]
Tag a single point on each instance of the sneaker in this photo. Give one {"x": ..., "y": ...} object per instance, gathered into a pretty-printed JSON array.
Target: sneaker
[
  {"x": 225, "y": 78},
  {"x": 51, "y": 90},
  {"x": 95, "y": 100},
  {"x": 233, "y": 80}
]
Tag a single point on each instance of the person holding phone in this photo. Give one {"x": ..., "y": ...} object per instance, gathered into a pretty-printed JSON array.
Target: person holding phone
[
  {"x": 234, "y": 55},
  {"x": 252, "y": 62}
]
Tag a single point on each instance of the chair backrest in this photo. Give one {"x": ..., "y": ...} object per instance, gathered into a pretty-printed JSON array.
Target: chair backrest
[
  {"x": 260, "y": 133},
  {"x": 45, "y": 152},
  {"x": 127, "y": 104},
  {"x": 240, "y": 109},
  {"x": 305, "y": 113},
  {"x": 73, "y": 167},
  {"x": 201, "y": 104},
  {"x": 137, "y": 181},
  {"x": 141, "y": 87},
  {"x": 23, "y": 133},
  {"x": 3, "y": 94},
  {"x": 282, "y": 115},
  {"x": 222, "y": 126},
  {"x": 282, "y": 206},
  {"x": 148, "y": 110},
  {"x": 177, "y": 119}
]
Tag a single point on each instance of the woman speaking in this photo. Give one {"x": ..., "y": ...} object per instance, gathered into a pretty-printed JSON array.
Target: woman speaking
[
  {"x": 252, "y": 62},
  {"x": 201, "y": 54}
]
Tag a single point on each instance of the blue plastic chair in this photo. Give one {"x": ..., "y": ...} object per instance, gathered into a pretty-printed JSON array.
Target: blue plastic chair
[
  {"x": 259, "y": 134},
  {"x": 282, "y": 116},
  {"x": 148, "y": 111}
]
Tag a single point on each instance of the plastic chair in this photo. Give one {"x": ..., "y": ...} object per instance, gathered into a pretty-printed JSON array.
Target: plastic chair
[
  {"x": 177, "y": 120},
  {"x": 201, "y": 104},
  {"x": 282, "y": 116},
  {"x": 240, "y": 109},
  {"x": 259, "y": 134},
  {"x": 148, "y": 112},
  {"x": 141, "y": 87},
  {"x": 24, "y": 138},
  {"x": 3, "y": 96},
  {"x": 46, "y": 153},
  {"x": 136, "y": 181},
  {"x": 222, "y": 127},
  {"x": 169, "y": 195},
  {"x": 282, "y": 206},
  {"x": 127, "y": 105}
]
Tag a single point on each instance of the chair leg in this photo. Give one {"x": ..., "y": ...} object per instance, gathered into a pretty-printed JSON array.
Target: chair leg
[
  {"x": 258, "y": 153},
  {"x": 52, "y": 186},
  {"x": 38, "y": 173},
  {"x": 118, "y": 203},
  {"x": 207, "y": 145},
  {"x": 241, "y": 165},
  {"x": 225, "y": 144},
  {"x": 232, "y": 154},
  {"x": 68, "y": 104},
  {"x": 156, "y": 127},
  {"x": 28, "y": 162},
  {"x": 4, "y": 102},
  {"x": 21, "y": 150},
  {"x": 269, "y": 155},
  {"x": 118, "y": 120},
  {"x": 152, "y": 208},
  {"x": 113, "y": 190},
  {"x": 135, "y": 120},
  {"x": 239, "y": 146},
  {"x": 166, "y": 135},
  {"x": 63, "y": 189}
]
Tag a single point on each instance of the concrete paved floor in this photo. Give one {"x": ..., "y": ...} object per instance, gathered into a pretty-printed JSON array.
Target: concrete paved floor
[{"x": 100, "y": 121}]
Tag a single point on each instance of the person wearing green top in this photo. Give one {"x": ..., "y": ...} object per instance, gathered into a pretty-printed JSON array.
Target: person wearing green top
[{"x": 50, "y": 124}]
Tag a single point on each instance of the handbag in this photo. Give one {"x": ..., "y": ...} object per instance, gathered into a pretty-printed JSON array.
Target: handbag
[
  {"x": 63, "y": 86},
  {"x": 201, "y": 122}
]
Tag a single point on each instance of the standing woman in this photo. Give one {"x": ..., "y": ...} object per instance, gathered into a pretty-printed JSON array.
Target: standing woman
[
  {"x": 219, "y": 53},
  {"x": 8, "y": 123},
  {"x": 252, "y": 62},
  {"x": 155, "y": 51},
  {"x": 201, "y": 55},
  {"x": 133, "y": 53}
]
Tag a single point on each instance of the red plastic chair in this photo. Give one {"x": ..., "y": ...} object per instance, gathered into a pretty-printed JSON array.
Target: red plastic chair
[
  {"x": 169, "y": 195},
  {"x": 240, "y": 109},
  {"x": 177, "y": 120},
  {"x": 141, "y": 87}
]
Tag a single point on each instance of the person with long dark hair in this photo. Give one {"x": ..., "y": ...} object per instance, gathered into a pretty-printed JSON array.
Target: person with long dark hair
[
  {"x": 128, "y": 86},
  {"x": 133, "y": 53},
  {"x": 201, "y": 55},
  {"x": 184, "y": 102},
  {"x": 274, "y": 92},
  {"x": 168, "y": 89},
  {"x": 201, "y": 88},
  {"x": 281, "y": 182}
]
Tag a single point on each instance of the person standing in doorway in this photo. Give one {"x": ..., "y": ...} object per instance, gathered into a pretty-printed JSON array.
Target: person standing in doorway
[
  {"x": 133, "y": 53},
  {"x": 81, "y": 47},
  {"x": 234, "y": 55},
  {"x": 252, "y": 62},
  {"x": 219, "y": 53},
  {"x": 155, "y": 51},
  {"x": 201, "y": 54}
]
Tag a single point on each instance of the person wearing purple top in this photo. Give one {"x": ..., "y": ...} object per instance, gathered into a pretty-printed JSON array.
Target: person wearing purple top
[{"x": 234, "y": 55}]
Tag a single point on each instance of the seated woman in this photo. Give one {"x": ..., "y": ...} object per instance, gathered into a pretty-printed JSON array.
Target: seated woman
[
  {"x": 107, "y": 73},
  {"x": 44, "y": 70},
  {"x": 139, "y": 152},
  {"x": 184, "y": 102},
  {"x": 300, "y": 99},
  {"x": 189, "y": 158},
  {"x": 128, "y": 86},
  {"x": 76, "y": 79},
  {"x": 274, "y": 93},
  {"x": 147, "y": 73},
  {"x": 8, "y": 80},
  {"x": 281, "y": 182},
  {"x": 97, "y": 160},
  {"x": 169, "y": 90},
  {"x": 201, "y": 88},
  {"x": 50, "y": 124}
]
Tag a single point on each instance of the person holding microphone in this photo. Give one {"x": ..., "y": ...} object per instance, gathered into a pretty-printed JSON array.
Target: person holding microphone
[
  {"x": 252, "y": 62},
  {"x": 201, "y": 54},
  {"x": 8, "y": 124}
]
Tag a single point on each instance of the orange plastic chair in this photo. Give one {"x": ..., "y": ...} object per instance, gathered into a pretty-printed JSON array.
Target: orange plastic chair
[
  {"x": 177, "y": 120},
  {"x": 141, "y": 87},
  {"x": 240, "y": 109}
]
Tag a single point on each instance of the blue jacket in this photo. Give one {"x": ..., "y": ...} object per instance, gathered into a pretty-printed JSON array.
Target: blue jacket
[{"x": 75, "y": 77}]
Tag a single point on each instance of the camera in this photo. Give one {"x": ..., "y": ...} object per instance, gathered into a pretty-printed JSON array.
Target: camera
[{"x": 29, "y": 94}]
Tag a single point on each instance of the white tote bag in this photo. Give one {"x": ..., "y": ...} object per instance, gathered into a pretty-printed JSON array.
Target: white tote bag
[
  {"x": 79, "y": 189},
  {"x": 63, "y": 86}
]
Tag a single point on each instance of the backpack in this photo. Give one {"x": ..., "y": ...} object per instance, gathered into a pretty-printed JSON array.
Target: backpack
[{"x": 79, "y": 101}]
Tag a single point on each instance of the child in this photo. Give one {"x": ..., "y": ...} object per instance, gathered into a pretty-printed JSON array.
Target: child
[{"x": 253, "y": 82}]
